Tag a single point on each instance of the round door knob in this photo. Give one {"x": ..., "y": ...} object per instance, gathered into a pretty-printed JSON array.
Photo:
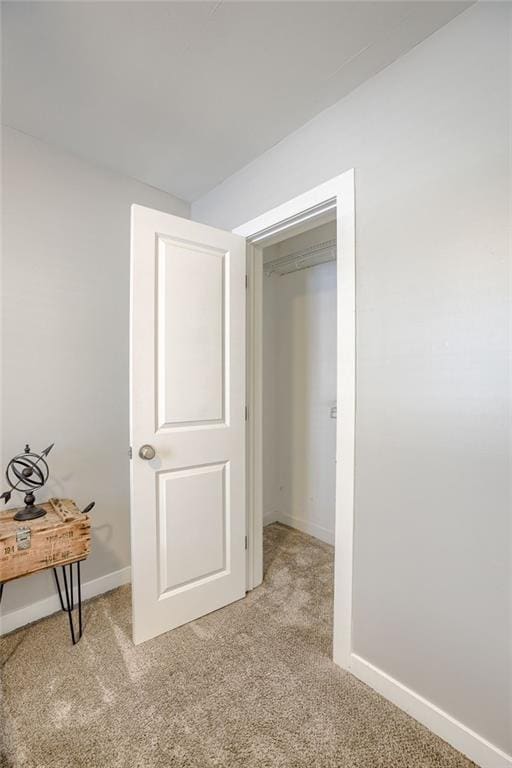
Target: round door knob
[{"x": 147, "y": 452}]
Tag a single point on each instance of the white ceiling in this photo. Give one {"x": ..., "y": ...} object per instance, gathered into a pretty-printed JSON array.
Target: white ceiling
[{"x": 182, "y": 94}]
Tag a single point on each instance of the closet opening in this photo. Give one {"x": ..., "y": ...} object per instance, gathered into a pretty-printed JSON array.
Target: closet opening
[
  {"x": 301, "y": 393},
  {"x": 299, "y": 366}
]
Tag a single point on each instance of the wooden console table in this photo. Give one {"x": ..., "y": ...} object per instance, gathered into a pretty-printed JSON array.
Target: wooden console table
[{"x": 61, "y": 538}]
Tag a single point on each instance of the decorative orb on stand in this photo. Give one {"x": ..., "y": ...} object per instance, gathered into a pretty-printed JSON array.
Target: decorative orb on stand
[{"x": 27, "y": 472}]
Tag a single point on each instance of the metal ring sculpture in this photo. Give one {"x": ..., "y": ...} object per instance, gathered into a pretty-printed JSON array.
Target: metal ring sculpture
[{"x": 27, "y": 472}]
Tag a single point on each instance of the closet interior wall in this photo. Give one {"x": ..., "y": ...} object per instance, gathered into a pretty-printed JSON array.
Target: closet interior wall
[{"x": 299, "y": 389}]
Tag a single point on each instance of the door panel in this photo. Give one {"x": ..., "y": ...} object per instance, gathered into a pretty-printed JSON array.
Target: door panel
[
  {"x": 191, "y": 331},
  {"x": 192, "y": 500},
  {"x": 188, "y": 403}
]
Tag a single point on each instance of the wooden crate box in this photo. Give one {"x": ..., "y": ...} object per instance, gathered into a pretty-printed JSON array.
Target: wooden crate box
[{"x": 62, "y": 536}]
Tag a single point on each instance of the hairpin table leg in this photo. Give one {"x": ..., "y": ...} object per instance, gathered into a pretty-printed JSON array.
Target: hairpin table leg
[
  {"x": 58, "y": 589},
  {"x": 79, "y": 579},
  {"x": 68, "y": 602}
]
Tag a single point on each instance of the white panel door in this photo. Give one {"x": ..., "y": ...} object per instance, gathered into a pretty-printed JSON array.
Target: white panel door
[{"x": 187, "y": 403}]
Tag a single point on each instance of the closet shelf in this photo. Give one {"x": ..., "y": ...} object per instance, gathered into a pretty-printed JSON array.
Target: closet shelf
[{"x": 309, "y": 257}]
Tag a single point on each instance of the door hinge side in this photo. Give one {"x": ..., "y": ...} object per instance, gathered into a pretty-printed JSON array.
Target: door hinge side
[
  {"x": 246, "y": 412},
  {"x": 130, "y": 452},
  {"x": 246, "y": 282},
  {"x": 246, "y": 543}
]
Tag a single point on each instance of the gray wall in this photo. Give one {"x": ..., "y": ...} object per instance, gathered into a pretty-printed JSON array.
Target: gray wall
[
  {"x": 66, "y": 276},
  {"x": 429, "y": 139}
]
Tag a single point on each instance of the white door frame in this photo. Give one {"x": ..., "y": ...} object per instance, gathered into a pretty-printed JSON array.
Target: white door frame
[{"x": 337, "y": 192}]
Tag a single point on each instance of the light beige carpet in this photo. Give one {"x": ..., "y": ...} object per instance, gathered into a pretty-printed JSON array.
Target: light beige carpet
[{"x": 250, "y": 685}]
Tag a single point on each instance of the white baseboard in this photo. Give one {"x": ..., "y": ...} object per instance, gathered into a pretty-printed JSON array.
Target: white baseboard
[
  {"x": 444, "y": 725},
  {"x": 270, "y": 517},
  {"x": 318, "y": 531},
  {"x": 35, "y": 611}
]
